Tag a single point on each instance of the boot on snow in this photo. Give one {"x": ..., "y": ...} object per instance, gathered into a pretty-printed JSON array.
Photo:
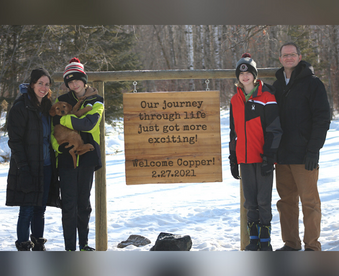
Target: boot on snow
[
  {"x": 24, "y": 246},
  {"x": 265, "y": 237},
  {"x": 39, "y": 243},
  {"x": 252, "y": 229}
]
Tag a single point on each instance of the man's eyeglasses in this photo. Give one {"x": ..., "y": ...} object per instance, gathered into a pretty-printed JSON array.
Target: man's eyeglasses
[{"x": 294, "y": 55}]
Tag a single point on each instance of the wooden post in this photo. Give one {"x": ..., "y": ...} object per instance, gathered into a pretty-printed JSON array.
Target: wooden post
[
  {"x": 100, "y": 186},
  {"x": 244, "y": 237}
]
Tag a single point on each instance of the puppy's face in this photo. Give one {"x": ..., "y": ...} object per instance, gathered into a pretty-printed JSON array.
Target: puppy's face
[{"x": 60, "y": 109}]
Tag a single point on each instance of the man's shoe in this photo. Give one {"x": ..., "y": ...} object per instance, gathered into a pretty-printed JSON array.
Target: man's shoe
[
  {"x": 87, "y": 248},
  {"x": 287, "y": 248},
  {"x": 309, "y": 249}
]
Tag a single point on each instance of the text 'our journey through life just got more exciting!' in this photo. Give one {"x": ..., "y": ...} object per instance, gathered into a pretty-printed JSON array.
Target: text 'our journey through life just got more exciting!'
[{"x": 172, "y": 137}]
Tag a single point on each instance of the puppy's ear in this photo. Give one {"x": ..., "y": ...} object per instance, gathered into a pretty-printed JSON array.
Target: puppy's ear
[
  {"x": 69, "y": 107},
  {"x": 52, "y": 111}
]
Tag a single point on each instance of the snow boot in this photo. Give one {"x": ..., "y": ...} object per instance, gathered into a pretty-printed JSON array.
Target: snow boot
[
  {"x": 86, "y": 248},
  {"x": 265, "y": 237},
  {"x": 39, "y": 243},
  {"x": 252, "y": 229},
  {"x": 24, "y": 246}
]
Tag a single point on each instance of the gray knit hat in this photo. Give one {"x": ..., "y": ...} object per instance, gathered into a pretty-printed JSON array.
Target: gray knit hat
[{"x": 246, "y": 63}]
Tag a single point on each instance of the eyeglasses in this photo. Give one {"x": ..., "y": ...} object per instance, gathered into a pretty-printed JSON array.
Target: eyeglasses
[{"x": 294, "y": 55}]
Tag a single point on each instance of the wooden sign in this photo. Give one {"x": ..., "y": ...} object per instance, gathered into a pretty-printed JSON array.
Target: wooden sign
[{"x": 172, "y": 137}]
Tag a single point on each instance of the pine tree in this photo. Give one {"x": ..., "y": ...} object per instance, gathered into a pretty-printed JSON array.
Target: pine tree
[
  {"x": 300, "y": 35},
  {"x": 99, "y": 48}
]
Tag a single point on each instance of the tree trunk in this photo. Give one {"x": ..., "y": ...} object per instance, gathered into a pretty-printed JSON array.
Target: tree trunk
[
  {"x": 202, "y": 45},
  {"x": 216, "y": 52},
  {"x": 190, "y": 52}
]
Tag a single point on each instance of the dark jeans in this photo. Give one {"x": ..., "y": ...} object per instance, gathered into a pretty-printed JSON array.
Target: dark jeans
[
  {"x": 34, "y": 216},
  {"x": 76, "y": 185},
  {"x": 257, "y": 193}
]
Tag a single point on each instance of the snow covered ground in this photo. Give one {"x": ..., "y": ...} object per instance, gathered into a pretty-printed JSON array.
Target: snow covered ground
[{"x": 208, "y": 212}]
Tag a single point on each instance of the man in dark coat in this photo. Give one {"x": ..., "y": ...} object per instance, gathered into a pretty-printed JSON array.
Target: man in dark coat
[{"x": 305, "y": 118}]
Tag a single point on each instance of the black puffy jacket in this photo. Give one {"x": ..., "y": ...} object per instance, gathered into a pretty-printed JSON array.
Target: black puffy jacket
[
  {"x": 304, "y": 113},
  {"x": 25, "y": 133}
]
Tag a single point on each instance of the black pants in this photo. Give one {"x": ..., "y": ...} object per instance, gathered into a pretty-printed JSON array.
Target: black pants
[
  {"x": 76, "y": 185},
  {"x": 257, "y": 193},
  {"x": 34, "y": 216}
]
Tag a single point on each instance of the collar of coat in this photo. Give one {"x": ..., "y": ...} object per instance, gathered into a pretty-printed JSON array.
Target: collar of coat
[{"x": 302, "y": 70}]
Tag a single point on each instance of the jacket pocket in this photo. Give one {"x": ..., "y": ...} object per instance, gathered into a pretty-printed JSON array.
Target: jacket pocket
[{"x": 25, "y": 182}]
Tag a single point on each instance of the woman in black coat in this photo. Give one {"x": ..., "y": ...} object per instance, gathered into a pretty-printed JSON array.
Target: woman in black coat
[{"x": 32, "y": 179}]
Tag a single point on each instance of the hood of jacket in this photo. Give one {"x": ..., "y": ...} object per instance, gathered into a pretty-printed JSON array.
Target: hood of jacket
[
  {"x": 24, "y": 97},
  {"x": 302, "y": 70},
  {"x": 23, "y": 88}
]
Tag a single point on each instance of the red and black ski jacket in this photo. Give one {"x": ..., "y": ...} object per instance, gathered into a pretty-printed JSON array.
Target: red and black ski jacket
[{"x": 254, "y": 125}]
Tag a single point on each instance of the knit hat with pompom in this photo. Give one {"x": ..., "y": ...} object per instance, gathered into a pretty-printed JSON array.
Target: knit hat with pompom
[
  {"x": 74, "y": 71},
  {"x": 246, "y": 63}
]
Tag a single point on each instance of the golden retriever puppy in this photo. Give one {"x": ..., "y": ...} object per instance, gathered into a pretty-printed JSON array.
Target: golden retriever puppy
[{"x": 65, "y": 135}]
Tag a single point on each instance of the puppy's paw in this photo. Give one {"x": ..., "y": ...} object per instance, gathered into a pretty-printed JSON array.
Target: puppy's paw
[{"x": 82, "y": 98}]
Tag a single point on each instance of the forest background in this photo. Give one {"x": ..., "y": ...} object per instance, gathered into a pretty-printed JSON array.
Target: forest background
[{"x": 159, "y": 47}]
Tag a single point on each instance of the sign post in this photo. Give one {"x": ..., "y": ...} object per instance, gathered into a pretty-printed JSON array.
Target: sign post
[{"x": 172, "y": 137}]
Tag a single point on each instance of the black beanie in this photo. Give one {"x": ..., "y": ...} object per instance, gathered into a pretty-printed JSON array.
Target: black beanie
[
  {"x": 74, "y": 71},
  {"x": 36, "y": 74},
  {"x": 246, "y": 63}
]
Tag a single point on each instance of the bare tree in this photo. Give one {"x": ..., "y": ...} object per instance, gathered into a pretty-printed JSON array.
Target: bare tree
[{"x": 190, "y": 52}]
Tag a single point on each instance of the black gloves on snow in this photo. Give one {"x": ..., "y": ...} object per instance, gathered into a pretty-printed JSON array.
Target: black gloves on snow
[
  {"x": 311, "y": 160},
  {"x": 267, "y": 165},
  {"x": 234, "y": 166}
]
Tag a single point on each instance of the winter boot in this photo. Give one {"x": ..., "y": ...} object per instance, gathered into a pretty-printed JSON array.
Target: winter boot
[
  {"x": 252, "y": 229},
  {"x": 265, "y": 237},
  {"x": 86, "y": 248},
  {"x": 24, "y": 246},
  {"x": 39, "y": 244}
]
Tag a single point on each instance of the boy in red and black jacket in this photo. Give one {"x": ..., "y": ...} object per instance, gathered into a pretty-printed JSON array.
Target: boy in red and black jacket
[{"x": 255, "y": 134}]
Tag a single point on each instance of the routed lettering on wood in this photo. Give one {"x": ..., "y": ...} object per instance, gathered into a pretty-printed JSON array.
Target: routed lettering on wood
[{"x": 172, "y": 137}]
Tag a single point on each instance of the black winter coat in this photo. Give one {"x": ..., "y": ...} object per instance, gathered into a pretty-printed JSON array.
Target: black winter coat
[
  {"x": 304, "y": 113},
  {"x": 25, "y": 133}
]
